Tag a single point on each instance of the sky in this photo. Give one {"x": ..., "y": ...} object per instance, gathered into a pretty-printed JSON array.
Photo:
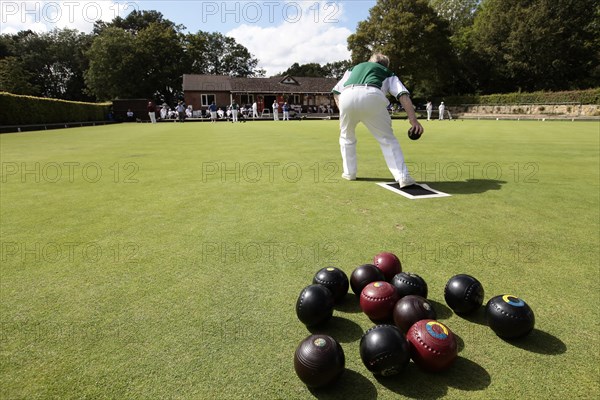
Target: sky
[{"x": 277, "y": 33}]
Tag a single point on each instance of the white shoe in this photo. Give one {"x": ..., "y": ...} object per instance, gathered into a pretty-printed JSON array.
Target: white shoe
[
  {"x": 349, "y": 177},
  {"x": 407, "y": 181}
]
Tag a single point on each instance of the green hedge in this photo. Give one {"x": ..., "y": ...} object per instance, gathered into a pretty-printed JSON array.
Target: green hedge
[
  {"x": 29, "y": 110},
  {"x": 589, "y": 96}
]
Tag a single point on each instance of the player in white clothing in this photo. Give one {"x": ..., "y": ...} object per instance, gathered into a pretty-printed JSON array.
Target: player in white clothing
[
  {"x": 275, "y": 110},
  {"x": 361, "y": 97}
]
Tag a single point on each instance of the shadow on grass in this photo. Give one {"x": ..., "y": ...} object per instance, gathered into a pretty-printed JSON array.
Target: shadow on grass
[
  {"x": 350, "y": 304},
  {"x": 539, "y": 342},
  {"x": 414, "y": 383},
  {"x": 341, "y": 329},
  {"x": 467, "y": 375},
  {"x": 476, "y": 317},
  {"x": 460, "y": 343},
  {"x": 351, "y": 385},
  {"x": 470, "y": 186},
  {"x": 442, "y": 310},
  {"x": 388, "y": 179}
]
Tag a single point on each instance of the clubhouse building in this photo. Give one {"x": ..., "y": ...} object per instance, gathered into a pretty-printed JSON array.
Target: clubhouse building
[{"x": 312, "y": 95}]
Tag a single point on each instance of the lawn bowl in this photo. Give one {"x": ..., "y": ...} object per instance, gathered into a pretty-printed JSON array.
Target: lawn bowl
[
  {"x": 410, "y": 309},
  {"x": 314, "y": 305},
  {"x": 363, "y": 275},
  {"x": 388, "y": 263},
  {"x": 377, "y": 300},
  {"x": 407, "y": 283},
  {"x": 432, "y": 345},
  {"x": 509, "y": 316},
  {"x": 319, "y": 361},
  {"x": 463, "y": 294},
  {"x": 333, "y": 279},
  {"x": 384, "y": 350}
]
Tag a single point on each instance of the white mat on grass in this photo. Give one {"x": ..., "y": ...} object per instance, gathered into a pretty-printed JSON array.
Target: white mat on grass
[{"x": 417, "y": 191}]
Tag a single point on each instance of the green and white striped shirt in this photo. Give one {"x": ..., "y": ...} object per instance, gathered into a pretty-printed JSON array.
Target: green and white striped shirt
[{"x": 373, "y": 74}]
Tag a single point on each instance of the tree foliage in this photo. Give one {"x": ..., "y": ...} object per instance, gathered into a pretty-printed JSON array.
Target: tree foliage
[
  {"x": 485, "y": 46},
  {"x": 143, "y": 55},
  {"x": 536, "y": 44},
  {"x": 215, "y": 53},
  {"x": 330, "y": 70},
  {"x": 459, "y": 14},
  {"x": 49, "y": 64},
  {"x": 114, "y": 70},
  {"x": 414, "y": 37},
  {"x": 14, "y": 78},
  {"x": 336, "y": 69},
  {"x": 308, "y": 70},
  {"x": 437, "y": 47},
  {"x": 137, "y": 21}
]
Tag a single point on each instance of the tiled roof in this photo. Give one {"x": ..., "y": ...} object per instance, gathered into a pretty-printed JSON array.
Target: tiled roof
[
  {"x": 258, "y": 85},
  {"x": 207, "y": 82}
]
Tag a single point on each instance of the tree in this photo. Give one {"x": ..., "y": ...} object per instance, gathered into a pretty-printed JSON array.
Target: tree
[
  {"x": 536, "y": 45},
  {"x": 66, "y": 65},
  {"x": 149, "y": 63},
  {"x": 137, "y": 21},
  {"x": 160, "y": 56},
  {"x": 14, "y": 78},
  {"x": 336, "y": 69},
  {"x": 142, "y": 64},
  {"x": 113, "y": 65},
  {"x": 48, "y": 64},
  {"x": 415, "y": 38},
  {"x": 330, "y": 70},
  {"x": 309, "y": 70},
  {"x": 145, "y": 55},
  {"x": 459, "y": 14},
  {"x": 215, "y": 53}
]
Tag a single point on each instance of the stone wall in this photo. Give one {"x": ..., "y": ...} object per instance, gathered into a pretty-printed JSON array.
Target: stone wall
[{"x": 533, "y": 110}]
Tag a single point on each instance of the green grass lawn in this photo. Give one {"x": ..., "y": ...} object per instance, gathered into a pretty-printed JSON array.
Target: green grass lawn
[{"x": 164, "y": 261}]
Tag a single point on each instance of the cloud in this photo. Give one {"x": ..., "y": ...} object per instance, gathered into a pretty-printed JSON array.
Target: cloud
[
  {"x": 43, "y": 16},
  {"x": 305, "y": 34}
]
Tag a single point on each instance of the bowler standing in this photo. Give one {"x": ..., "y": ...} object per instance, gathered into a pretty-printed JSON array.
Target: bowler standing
[{"x": 361, "y": 97}]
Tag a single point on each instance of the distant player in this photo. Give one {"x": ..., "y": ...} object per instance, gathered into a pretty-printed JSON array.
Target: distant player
[
  {"x": 275, "y": 111},
  {"x": 429, "y": 109},
  {"x": 286, "y": 111},
  {"x": 213, "y": 112},
  {"x": 180, "y": 111},
  {"x": 234, "y": 111},
  {"x": 152, "y": 112}
]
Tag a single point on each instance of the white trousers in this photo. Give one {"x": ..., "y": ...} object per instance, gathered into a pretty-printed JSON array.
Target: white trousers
[
  {"x": 368, "y": 105},
  {"x": 152, "y": 117}
]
